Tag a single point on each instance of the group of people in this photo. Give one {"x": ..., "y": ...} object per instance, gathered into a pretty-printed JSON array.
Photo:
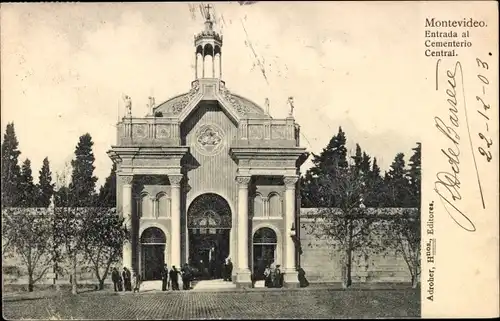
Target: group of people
[
  {"x": 125, "y": 281},
  {"x": 170, "y": 279},
  {"x": 273, "y": 278}
]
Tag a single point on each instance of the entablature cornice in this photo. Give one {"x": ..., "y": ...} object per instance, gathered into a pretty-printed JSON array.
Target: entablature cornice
[
  {"x": 147, "y": 151},
  {"x": 147, "y": 159},
  {"x": 242, "y": 153}
]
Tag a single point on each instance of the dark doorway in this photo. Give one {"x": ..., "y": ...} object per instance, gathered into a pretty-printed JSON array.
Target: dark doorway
[
  {"x": 264, "y": 251},
  {"x": 209, "y": 224},
  {"x": 153, "y": 242},
  {"x": 154, "y": 258},
  {"x": 208, "y": 251}
]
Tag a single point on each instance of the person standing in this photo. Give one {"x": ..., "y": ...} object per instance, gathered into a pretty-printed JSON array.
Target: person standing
[
  {"x": 267, "y": 277},
  {"x": 115, "y": 277},
  {"x": 120, "y": 282},
  {"x": 164, "y": 278},
  {"x": 136, "y": 282},
  {"x": 229, "y": 269},
  {"x": 224, "y": 270},
  {"x": 278, "y": 277},
  {"x": 126, "y": 279},
  {"x": 174, "y": 278}
]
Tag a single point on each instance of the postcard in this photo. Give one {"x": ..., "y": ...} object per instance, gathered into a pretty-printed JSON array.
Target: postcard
[{"x": 250, "y": 159}]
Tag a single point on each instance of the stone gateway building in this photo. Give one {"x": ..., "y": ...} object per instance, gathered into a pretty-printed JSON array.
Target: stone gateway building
[{"x": 209, "y": 175}]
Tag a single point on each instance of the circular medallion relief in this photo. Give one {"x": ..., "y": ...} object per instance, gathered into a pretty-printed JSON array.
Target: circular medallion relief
[{"x": 209, "y": 139}]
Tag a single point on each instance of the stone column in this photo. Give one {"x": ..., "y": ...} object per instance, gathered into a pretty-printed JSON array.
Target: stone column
[
  {"x": 203, "y": 70},
  {"x": 213, "y": 66},
  {"x": 220, "y": 65},
  {"x": 290, "y": 269},
  {"x": 126, "y": 182},
  {"x": 196, "y": 65},
  {"x": 243, "y": 272},
  {"x": 175, "y": 220}
]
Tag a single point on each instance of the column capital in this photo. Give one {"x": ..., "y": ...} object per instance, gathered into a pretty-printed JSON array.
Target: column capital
[
  {"x": 126, "y": 179},
  {"x": 243, "y": 181},
  {"x": 175, "y": 180},
  {"x": 290, "y": 181}
]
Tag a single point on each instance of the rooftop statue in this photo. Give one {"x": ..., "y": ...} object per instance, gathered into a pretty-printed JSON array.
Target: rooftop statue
[
  {"x": 290, "y": 102},
  {"x": 128, "y": 105},
  {"x": 151, "y": 105}
]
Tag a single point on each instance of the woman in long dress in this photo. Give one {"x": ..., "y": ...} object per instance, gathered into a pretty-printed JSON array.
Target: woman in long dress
[{"x": 267, "y": 277}]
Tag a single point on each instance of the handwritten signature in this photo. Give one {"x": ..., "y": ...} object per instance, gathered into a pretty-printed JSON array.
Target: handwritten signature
[{"x": 448, "y": 183}]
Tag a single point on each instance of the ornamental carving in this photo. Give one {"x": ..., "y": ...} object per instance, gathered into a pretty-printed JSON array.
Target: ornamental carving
[
  {"x": 162, "y": 131},
  {"x": 243, "y": 180},
  {"x": 277, "y": 132},
  {"x": 175, "y": 180},
  {"x": 139, "y": 131},
  {"x": 183, "y": 101},
  {"x": 265, "y": 235},
  {"x": 240, "y": 109},
  {"x": 255, "y": 132},
  {"x": 209, "y": 211},
  {"x": 126, "y": 179},
  {"x": 209, "y": 139},
  {"x": 290, "y": 181}
]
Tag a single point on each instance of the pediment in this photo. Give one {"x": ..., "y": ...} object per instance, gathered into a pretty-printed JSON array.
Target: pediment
[{"x": 214, "y": 90}]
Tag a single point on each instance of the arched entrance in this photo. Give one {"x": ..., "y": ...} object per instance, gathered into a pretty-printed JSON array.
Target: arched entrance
[
  {"x": 209, "y": 225},
  {"x": 153, "y": 242},
  {"x": 264, "y": 250}
]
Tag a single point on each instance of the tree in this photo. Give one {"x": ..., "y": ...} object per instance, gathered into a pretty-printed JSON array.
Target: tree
[
  {"x": 105, "y": 234},
  {"x": 358, "y": 158},
  {"x": 396, "y": 183},
  {"x": 107, "y": 193},
  {"x": 69, "y": 232},
  {"x": 29, "y": 235},
  {"x": 374, "y": 183},
  {"x": 10, "y": 167},
  {"x": 82, "y": 186},
  {"x": 365, "y": 165},
  {"x": 45, "y": 185},
  {"x": 347, "y": 227},
  {"x": 27, "y": 189},
  {"x": 330, "y": 160},
  {"x": 415, "y": 176},
  {"x": 403, "y": 234},
  {"x": 70, "y": 238}
]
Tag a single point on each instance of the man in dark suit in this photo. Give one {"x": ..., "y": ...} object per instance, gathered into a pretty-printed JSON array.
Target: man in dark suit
[
  {"x": 174, "y": 278},
  {"x": 229, "y": 269},
  {"x": 115, "y": 277},
  {"x": 164, "y": 278},
  {"x": 127, "y": 279}
]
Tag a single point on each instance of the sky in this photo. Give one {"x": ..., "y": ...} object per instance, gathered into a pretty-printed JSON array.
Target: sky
[{"x": 65, "y": 68}]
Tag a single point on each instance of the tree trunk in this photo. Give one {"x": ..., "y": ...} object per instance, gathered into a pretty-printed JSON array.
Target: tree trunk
[
  {"x": 414, "y": 278},
  {"x": 73, "y": 277},
  {"x": 344, "y": 276},
  {"x": 30, "y": 282},
  {"x": 349, "y": 268},
  {"x": 349, "y": 256},
  {"x": 101, "y": 284}
]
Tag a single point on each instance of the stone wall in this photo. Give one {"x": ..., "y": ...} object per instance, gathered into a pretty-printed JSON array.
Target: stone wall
[{"x": 319, "y": 259}]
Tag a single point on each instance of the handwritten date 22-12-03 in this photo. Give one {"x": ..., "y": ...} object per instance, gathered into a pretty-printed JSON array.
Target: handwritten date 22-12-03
[{"x": 483, "y": 110}]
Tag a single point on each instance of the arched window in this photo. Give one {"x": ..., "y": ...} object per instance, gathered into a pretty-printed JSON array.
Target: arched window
[
  {"x": 163, "y": 205},
  {"x": 153, "y": 235},
  {"x": 146, "y": 206},
  {"x": 274, "y": 205},
  {"x": 258, "y": 206},
  {"x": 265, "y": 235}
]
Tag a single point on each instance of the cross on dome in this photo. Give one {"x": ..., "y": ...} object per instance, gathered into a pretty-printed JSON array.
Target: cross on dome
[{"x": 207, "y": 15}]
